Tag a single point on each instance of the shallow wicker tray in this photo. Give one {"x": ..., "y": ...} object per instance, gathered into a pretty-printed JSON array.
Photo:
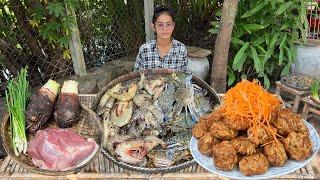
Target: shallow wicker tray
[
  {"x": 88, "y": 126},
  {"x": 152, "y": 73}
]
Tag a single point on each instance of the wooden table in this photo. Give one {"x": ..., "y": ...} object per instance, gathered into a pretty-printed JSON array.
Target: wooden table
[{"x": 102, "y": 168}]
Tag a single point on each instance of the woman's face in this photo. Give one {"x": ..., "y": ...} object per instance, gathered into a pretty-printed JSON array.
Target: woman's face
[{"x": 164, "y": 26}]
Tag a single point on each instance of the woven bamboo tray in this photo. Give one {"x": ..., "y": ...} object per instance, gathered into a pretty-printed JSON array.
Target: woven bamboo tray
[
  {"x": 88, "y": 126},
  {"x": 152, "y": 73},
  {"x": 102, "y": 168}
]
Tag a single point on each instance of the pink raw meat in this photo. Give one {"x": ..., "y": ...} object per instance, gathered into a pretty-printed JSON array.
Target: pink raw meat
[{"x": 60, "y": 149}]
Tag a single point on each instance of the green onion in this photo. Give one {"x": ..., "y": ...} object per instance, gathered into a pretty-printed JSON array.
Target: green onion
[
  {"x": 17, "y": 94},
  {"x": 315, "y": 89}
]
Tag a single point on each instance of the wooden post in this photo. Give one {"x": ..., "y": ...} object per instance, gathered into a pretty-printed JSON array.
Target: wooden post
[
  {"x": 148, "y": 13},
  {"x": 222, "y": 44},
  {"x": 79, "y": 65}
]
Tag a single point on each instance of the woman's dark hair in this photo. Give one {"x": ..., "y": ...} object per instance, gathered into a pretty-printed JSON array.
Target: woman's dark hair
[{"x": 162, "y": 9}]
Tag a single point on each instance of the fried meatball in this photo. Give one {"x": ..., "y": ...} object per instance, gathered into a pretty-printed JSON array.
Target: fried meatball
[
  {"x": 254, "y": 165},
  {"x": 281, "y": 123},
  {"x": 224, "y": 156},
  {"x": 206, "y": 142},
  {"x": 216, "y": 115},
  {"x": 261, "y": 137},
  {"x": 244, "y": 146},
  {"x": 295, "y": 122},
  {"x": 198, "y": 130},
  {"x": 276, "y": 153},
  {"x": 243, "y": 124},
  {"x": 220, "y": 130},
  {"x": 298, "y": 145}
]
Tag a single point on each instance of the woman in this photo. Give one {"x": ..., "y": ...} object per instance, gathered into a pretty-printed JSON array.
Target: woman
[{"x": 164, "y": 51}]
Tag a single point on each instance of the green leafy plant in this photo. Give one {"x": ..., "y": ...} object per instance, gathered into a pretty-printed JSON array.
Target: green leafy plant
[
  {"x": 53, "y": 22},
  {"x": 263, "y": 39},
  {"x": 17, "y": 94},
  {"x": 315, "y": 89}
]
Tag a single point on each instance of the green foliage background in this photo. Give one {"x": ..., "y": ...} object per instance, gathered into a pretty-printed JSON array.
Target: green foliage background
[{"x": 264, "y": 37}]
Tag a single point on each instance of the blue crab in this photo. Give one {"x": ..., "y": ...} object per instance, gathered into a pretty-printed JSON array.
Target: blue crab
[
  {"x": 144, "y": 101},
  {"x": 184, "y": 96},
  {"x": 166, "y": 100}
]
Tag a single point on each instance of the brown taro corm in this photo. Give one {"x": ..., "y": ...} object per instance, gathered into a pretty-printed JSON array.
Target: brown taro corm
[
  {"x": 243, "y": 146},
  {"x": 206, "y": 142},
  {"x": 298, "y": 145},
  {"x": 224, "y": 156},
  {"x": 41, "y": 105},
  {"x": 254, "y": 164},
  {"x": 68, "y": 106},
  {"x": 219, "y": 130},
  {"x": 276, "y": 153}
]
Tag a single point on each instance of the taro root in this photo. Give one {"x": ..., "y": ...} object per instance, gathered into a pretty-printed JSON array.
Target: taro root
[
  {"x": 225, "y": 156},
  {"x": 298, "y": 145},
  {"x": 41, "y": 105},
  {"x": 254, "y": 165},
  {"x": 276, "y": 153},
  {"x": 68, "y": 106}
]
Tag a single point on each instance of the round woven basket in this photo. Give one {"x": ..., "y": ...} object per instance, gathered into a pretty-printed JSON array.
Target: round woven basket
[
  {"x": 151, "y": 73},
  {"x": 89, "y": 126}
]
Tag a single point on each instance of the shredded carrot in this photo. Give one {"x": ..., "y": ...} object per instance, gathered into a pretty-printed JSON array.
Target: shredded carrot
[{"x": 250, "y": 102}]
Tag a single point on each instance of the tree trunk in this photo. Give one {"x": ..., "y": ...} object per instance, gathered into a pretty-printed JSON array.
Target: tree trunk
[{"x": 222, "y": 44}]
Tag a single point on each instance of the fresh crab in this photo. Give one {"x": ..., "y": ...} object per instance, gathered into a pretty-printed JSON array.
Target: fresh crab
[
  {"x": 144, "y": 101},
  {"x": 154, "y": 87},
  {"x": 184, "y": 96},
  {"x": 166, "y": 100},
  {"x": 176, "y": 150}
]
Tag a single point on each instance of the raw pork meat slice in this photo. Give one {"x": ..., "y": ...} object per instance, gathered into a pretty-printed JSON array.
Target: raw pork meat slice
[{"x": 60, "y": 149}]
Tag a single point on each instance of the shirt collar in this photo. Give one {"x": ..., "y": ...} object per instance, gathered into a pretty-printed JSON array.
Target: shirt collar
[{"x": 154, "y": 43}]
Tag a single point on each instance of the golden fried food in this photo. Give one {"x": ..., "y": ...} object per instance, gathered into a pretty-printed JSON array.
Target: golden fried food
[
  {"x": 219, "y": 129},
  {"x": 298, "y": 145},
  {"x": 276, "y": 153},
  {"x": 237, "y": 125},
  {"x": 261, "y": 137},
  {"x": 206, "y": 142},
  {"x": 254, "y": 165},
  {"x": 224, "y": 156},
  {"x": 282, "y": 124},
  {"x": 216, "y": 115},
  {"x": 198, "y": 131},
  {"x": 295, "y": 121},
  {"x": 243, "y": 146}
]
